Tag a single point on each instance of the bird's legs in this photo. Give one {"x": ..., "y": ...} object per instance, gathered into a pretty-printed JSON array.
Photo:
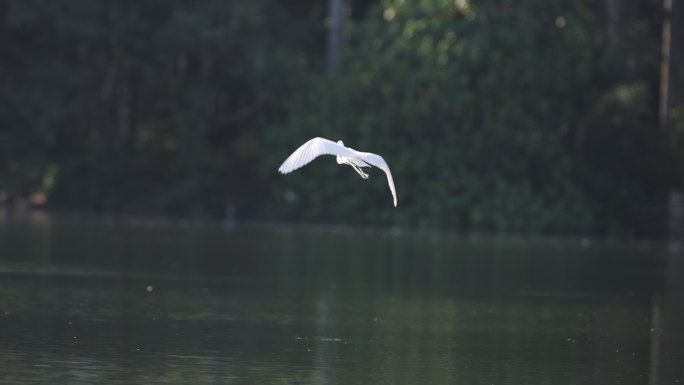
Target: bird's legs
[{"x": 358, "y": 169}]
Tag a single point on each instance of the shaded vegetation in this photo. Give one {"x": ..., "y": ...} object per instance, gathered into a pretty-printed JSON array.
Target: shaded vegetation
[{"x": 494, "y": 115}]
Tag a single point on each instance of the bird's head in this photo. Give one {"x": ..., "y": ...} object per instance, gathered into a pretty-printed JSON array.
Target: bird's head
[{"x": 341, "y": 143}]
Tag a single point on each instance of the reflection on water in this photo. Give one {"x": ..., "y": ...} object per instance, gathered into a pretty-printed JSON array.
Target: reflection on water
[{"x": 102, "y": 301}]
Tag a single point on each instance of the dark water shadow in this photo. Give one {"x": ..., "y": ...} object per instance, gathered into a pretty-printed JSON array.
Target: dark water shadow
[{"x": 111, "y": 301}]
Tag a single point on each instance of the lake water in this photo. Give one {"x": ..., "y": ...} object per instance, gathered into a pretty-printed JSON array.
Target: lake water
[{"x": 100, "y": 301}]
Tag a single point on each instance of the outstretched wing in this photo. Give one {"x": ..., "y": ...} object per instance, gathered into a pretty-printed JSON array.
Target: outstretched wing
[
  {"x": 379, "y": 162},
  {"x": 310, "y": 151}
]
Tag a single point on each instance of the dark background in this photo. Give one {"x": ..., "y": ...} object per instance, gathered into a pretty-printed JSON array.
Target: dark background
[{"x": 529, "y": 116}]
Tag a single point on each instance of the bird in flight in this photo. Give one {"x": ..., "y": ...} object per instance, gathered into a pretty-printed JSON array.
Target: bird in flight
[{"x": 345, "y": 155}]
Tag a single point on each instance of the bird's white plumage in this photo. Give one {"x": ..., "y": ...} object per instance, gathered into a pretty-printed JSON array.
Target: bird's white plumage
[
  {"x": 320, "y": 146},
  {"x": 310, "y": 151}
]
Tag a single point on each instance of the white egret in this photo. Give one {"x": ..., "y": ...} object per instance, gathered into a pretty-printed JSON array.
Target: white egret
[{"x": 345, "y": 155}]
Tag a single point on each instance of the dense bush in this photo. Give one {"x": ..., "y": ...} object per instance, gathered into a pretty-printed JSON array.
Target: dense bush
[
  {"x": 141, "y": 107},
  {"x": 494, "y": 115}
]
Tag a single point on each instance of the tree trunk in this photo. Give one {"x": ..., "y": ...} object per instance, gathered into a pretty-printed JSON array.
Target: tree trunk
[
  {"x": 613, "y": 20},
  {"x": 676, "y": 86},
  {"x": 334, "y": 35},
  {"x": 664, "y": 102}
]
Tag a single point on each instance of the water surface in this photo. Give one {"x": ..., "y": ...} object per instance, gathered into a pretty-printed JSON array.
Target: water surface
[{"x": 86, "y": 301}]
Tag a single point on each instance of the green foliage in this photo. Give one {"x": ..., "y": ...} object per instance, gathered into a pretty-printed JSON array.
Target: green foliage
[
  {"x": 467, "y": 106},
  {"x": 494, "y": 115},
  {"x": 141, "y": 106}
]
